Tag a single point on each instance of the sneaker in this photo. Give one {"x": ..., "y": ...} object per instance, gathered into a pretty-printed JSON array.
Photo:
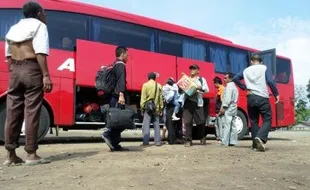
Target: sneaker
[
  {"x": 175, "y": 118},
  {"x": 179, "y": 141},
  {"x": 107, "y": 141},
  {"x": 160, "y": 144},
  {"x": 260, "y": 145},
  {"x": 254, "y": 146},
  {"x": 119, "y": 148},
  {"x": 144, "y": 145},
  {"x": 188, "y": 144},
  {"x": 203, "y": 141}
]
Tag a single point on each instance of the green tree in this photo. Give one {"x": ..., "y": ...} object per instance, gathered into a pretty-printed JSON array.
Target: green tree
[
  {"x": 308, "y": 89},
  {"x": 302, "y": 112},
  {"x": 300, "y": 93}
]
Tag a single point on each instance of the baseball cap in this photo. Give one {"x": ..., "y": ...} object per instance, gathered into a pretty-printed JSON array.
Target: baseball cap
[{"x": 194, "y": 66}]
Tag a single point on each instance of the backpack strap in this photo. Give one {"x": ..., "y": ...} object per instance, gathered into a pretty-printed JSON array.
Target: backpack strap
[
  {"x": 119, "y": 62},
  {"x": 200, "y": 80},
  {"x": 155, "y": 91}
]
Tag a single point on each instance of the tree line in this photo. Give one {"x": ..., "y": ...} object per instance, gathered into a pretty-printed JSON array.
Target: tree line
[{"x": 302, "y": 102}]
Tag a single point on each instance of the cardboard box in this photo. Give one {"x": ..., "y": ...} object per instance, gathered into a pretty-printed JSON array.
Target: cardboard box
[{"x": 186, "y": 84}]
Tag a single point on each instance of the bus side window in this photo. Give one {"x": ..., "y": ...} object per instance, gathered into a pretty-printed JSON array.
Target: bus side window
[
  {"x": 218, "y": 55},
  {"x": 238, "y": 60},
  {"x": 170, "y": 44},
  {"x": 194, "y": 49},
  {"x": 8, "y": 17},
  {"x": 283, "y": 70},
  {"x": 121, "y": 33},
  {"x": 63, "y": 33}
]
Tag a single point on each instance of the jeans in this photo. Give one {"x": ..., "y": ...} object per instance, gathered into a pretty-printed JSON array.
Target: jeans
[
  {"x": 219, "y": 127},
  {"x": 147, "y": 119},
  {"x": 259, "y": 106},
  {"x": 114, "y": 135},
  {"x": 176, "y": 103}
]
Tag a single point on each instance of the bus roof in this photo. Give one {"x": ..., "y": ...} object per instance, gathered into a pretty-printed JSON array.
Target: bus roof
[{"x": 84, "y": 8}]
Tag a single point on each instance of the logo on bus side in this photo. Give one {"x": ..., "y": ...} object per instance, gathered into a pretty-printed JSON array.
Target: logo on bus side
[{"x": 68, "y": 64}]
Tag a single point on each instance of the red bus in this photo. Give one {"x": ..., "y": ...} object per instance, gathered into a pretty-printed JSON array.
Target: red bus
[{"x": 83, "y": 38}]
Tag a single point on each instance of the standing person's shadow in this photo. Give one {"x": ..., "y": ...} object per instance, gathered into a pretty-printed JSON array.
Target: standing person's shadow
[{"x": 69, "y": 155}]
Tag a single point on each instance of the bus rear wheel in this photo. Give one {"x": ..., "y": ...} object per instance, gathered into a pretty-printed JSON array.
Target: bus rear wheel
[
  {"x": 241, "y": 125},
  {"x": 45, "y": 123}
]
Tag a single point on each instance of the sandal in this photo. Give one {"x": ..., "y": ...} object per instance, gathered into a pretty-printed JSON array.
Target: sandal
[
  {"x": 37, "y": 162},
  {"x": 16, "y": 161}
]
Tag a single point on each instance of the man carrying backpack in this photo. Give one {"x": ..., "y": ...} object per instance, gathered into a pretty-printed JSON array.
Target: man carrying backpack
[{"x": 112, "y": 137}]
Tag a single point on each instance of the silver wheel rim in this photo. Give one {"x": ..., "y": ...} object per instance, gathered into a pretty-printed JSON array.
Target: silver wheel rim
[{"x": 238, "y": 123}]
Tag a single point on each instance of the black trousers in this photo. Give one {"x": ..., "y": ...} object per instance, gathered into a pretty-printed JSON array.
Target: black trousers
[
  {"x": 192, "y": 111},
  {"x": 174, "y": 127},
  {"x": 114, "y": 134},
  {"x": 259, "y": 106}
]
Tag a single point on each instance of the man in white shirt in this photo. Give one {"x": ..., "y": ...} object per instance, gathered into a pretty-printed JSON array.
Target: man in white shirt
[
  {"x": 257, "y": 77},
  {"x": 26, "y": 50}
]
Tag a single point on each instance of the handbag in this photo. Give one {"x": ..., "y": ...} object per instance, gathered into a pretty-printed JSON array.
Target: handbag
[
  {"x": 120, "y": 117},
  {"x": 150, "y": 106}
]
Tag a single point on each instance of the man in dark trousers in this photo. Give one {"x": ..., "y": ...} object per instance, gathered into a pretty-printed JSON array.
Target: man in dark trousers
[
  {"x": 26, "y": 49},
  {"x": 256, "y": 78},
  {"x": 112, "y": 137},
  {"x": 174, "y": 126},
  {"x": 193, "y": 108}
]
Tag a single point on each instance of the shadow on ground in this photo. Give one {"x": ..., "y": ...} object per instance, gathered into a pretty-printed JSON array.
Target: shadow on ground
[
  {"x": 81, "y": 140},
  {"x": 69, "y": 156}
]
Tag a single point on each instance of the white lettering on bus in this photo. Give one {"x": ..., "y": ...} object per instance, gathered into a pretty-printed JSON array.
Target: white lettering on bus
[{"x": 68, "y": 64}]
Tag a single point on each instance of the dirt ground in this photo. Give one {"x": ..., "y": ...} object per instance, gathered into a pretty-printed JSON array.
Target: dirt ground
[{"x": 86, "y": 163}]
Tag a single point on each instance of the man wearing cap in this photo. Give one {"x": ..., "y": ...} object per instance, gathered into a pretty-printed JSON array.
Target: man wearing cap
[
  {"x": 193, "y": 107},
  {"x": 256, "y": 78},
  {"x": 151, "y": 91}
]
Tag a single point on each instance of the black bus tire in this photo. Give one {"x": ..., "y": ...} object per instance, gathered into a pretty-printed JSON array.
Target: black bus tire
[{"x": 45, "y": 123}]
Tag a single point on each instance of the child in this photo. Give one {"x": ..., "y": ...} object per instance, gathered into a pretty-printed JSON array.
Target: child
[{"x": 171, "y": 94}]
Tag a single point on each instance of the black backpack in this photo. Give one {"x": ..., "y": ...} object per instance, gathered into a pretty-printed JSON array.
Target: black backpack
[{"x": 105, "y": 78}]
